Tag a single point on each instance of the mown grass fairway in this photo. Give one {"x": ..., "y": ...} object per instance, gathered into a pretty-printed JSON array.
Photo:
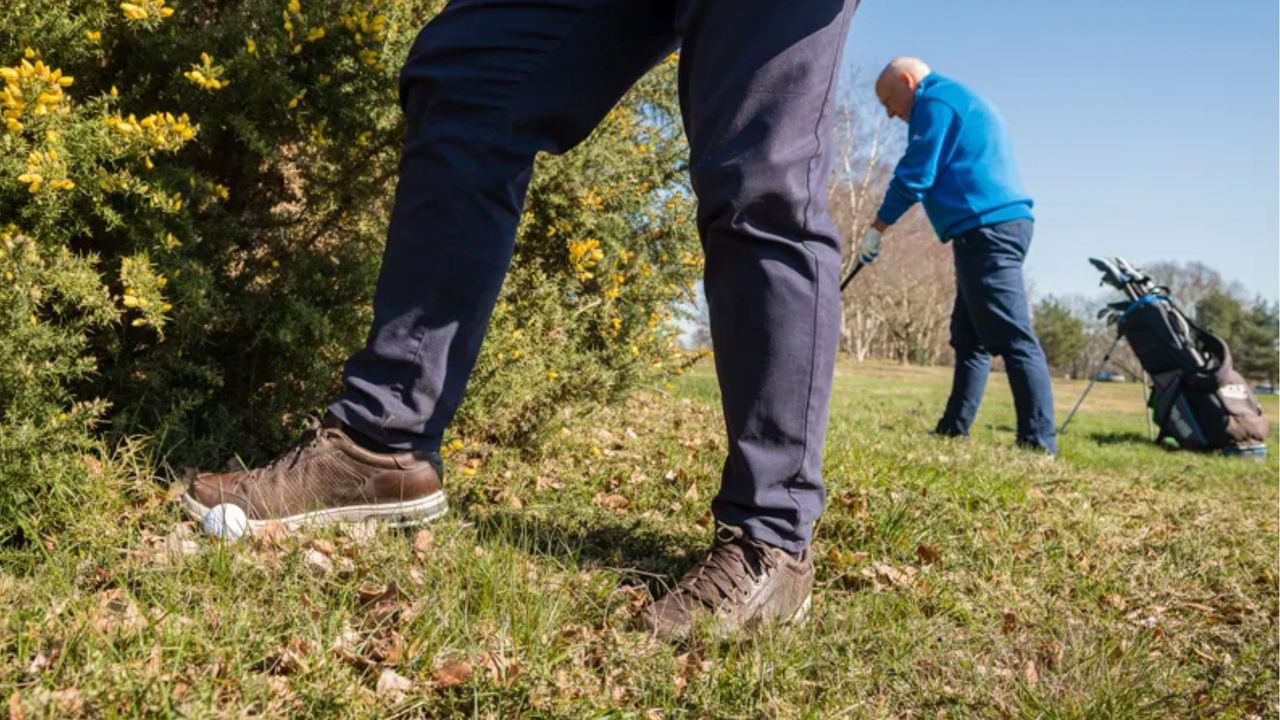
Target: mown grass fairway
[{"x": 956, "y": 579}]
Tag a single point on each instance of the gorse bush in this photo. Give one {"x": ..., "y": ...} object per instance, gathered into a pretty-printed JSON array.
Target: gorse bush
[{"x": 193, "y": 198}]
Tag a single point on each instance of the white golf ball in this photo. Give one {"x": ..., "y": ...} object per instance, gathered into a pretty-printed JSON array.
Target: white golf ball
[{"x": 225, "y": 521}]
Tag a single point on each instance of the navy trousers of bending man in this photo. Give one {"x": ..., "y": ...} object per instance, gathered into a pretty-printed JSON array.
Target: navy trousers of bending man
[
  {"x": 959, "y": 165},
  {"x": 487, "y": 85}
]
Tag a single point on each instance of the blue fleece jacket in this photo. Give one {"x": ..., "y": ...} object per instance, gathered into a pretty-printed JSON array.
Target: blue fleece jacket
[{"x": 959, "y": 163}]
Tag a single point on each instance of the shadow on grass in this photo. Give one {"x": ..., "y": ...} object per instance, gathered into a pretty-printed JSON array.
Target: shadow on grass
[
  {"x": 1121, "y": 438},
  {"x": 627, "y": 544}
]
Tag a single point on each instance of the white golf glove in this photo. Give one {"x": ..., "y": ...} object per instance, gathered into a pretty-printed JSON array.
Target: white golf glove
[{"x": 869, "y": 248}]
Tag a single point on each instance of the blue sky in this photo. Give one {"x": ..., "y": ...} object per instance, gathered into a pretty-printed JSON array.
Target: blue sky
[{"x": 1142, "y": 129}]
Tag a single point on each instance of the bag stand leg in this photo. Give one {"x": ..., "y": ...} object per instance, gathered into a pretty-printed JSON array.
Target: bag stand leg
[
  {"x": 1093, "y": 377},
  {"x": 1146, "y": 412}
]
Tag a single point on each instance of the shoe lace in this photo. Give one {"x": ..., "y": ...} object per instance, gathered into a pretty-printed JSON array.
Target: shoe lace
[
  {"x": 727, "y": 572},
  {"x": 312, "y": 437}
]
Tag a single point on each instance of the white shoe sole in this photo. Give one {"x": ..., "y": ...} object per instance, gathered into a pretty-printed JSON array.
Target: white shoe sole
[
  {"x": 802, "y": 612},
  {"x": 395, "y": 514}
]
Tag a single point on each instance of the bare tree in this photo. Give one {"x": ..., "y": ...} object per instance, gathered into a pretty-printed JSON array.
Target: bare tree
[
  {"x": 898, "y": 308},
  {"x": 1191, "y": 281},
  {"x": 912, "y": 288}
]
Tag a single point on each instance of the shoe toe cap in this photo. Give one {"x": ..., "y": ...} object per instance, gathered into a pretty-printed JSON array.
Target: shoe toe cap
[
  {"x": 211, "y": 489},
  {"x": 667, "y": 618}
]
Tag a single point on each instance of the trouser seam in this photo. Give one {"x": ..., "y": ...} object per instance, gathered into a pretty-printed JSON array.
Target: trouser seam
[{"x": 790, "y": 483}]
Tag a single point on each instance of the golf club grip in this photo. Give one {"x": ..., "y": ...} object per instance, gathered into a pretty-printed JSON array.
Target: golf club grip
[{"x": 849, "y": 279}]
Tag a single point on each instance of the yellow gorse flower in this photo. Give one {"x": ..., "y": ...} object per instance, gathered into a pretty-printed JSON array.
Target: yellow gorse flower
[
  {"x": 584, "y": 255},
  {"x": 160, "y": 131},
  {"x": 370, "y": 33},
  {"x": 207, "y": 75},
  {"x": 593, "y": 200},
  {"x": 30, "y": 90},
  {"x": 45, "y": 169},
  {"x": 145, "y": 9}
]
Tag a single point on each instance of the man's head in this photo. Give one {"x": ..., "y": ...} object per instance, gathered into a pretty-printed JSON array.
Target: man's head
[{"x": 897, "y": 85}]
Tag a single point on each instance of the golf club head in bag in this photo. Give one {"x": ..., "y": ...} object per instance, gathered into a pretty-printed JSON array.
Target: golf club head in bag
[
  {"x": 1111, "y": 275},
  {"x": 1133, "y": 274}
]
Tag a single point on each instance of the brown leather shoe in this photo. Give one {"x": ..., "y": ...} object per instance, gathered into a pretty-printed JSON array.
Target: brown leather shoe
[
  {"x": 327, "y": 478},
  {"x": 740, "y": 584}
]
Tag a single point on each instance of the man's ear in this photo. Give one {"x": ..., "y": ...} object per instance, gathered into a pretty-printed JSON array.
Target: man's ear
[{"x": 909, "y": 80}]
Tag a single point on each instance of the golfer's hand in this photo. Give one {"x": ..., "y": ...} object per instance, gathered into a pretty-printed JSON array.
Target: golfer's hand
[{"x": 869, "y": 248}]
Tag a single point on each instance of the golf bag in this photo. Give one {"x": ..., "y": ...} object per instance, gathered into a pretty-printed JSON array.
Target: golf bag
[{"x": 1197, "y": 397}]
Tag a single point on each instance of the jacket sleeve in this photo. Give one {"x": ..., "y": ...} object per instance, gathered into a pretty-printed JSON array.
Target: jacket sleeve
[{"x": 931, "y": 132}]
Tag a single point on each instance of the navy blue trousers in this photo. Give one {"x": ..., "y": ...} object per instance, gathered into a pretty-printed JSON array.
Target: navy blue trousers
[
  {"x": 490, "y": 83},
  {"x": 992, "y": 317}
]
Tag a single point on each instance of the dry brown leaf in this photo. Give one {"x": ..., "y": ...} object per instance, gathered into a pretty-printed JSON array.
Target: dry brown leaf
[
  {"x": 637, "y": 596},
  {"x": 1030, "y": 674},
  {"x": 501, "y": 670},
  {"x": 928, "y": 555},
  {"x": 47, "y": 703},
  {"x": 279, "y": 687},
  {"x": 1009, "y": 622},
  {"x": 114, "y": 611},
  {"x": 45, "y": 657},
  {"x": 292, "y": 658},
  {"x": 371, "y": 593},
  {"x": 422, "y": 542},
  {"x": 451, "y": 675},
  {"x": 692, "y": 492},
  {"x": 612, "y": 501},
  {"x": 680, "y": 684},
  {"x": 155, "y": 661},
  {"x": 842, "y": 560},
  {"x": 323, "y": 546},
  {"x": 393, "y": 685},
  {"x": 69, "y": 702},
  {"x": 1051, "y": 654},
  {"x": 168, "y": 551},
  {"x": 92, "y": 464},
  {"x": 855, "y": 502},
  {"x": 271, "y": 536},
  {"x": 903, "y": 578},
  {"x": 510, "y": 499},
  {"x": 1112, "y": 601},
  {"x": 387, "y": 648},
  {"x": 343, "y": 566},
  {"x": 545, "y": 483},
  {"x": 347, "y": 647},
  {"x": 317, "y": 562}
]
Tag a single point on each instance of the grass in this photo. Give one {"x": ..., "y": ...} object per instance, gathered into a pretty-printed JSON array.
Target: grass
[{"x": 956, "y": 578}]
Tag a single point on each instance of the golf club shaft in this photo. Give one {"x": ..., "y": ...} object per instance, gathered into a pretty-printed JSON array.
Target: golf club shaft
[{"x": 852, "y": 273}]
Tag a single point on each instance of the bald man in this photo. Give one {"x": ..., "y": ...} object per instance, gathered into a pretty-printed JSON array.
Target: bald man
[{"x": 959, "y": 164}]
